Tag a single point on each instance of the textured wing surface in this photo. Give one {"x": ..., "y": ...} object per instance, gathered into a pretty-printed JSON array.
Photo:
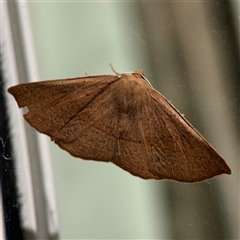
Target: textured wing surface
[{"x": 178, "y": 151}]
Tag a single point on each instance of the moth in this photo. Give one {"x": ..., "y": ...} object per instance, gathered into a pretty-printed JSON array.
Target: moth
[{"x": 120, "y": 119}]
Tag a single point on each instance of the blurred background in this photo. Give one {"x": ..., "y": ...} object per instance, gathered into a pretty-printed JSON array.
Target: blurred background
[{"x": 189, "y": 51}]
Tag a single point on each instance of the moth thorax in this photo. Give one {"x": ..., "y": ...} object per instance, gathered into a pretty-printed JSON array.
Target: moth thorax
[{"x": 131, "y": 101}]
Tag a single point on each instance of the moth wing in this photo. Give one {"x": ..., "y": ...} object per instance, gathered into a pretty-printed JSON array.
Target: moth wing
[
  {"x": 177, "y": 151},
  {"x": 63, "y": 109}
]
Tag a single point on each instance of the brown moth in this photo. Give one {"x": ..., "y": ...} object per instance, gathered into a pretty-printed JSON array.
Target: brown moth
[{"x": 120, "y": 119}]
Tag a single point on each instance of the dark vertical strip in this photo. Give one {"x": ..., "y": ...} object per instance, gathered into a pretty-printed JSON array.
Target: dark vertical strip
[
  {"x": 11, "y": 206},
  {"x": 223, "y": 12}
]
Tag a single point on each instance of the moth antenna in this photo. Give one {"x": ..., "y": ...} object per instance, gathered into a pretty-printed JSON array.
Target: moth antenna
[
  {"x": 130, "y": 73},
  {"x": 114, "y": 69}
]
